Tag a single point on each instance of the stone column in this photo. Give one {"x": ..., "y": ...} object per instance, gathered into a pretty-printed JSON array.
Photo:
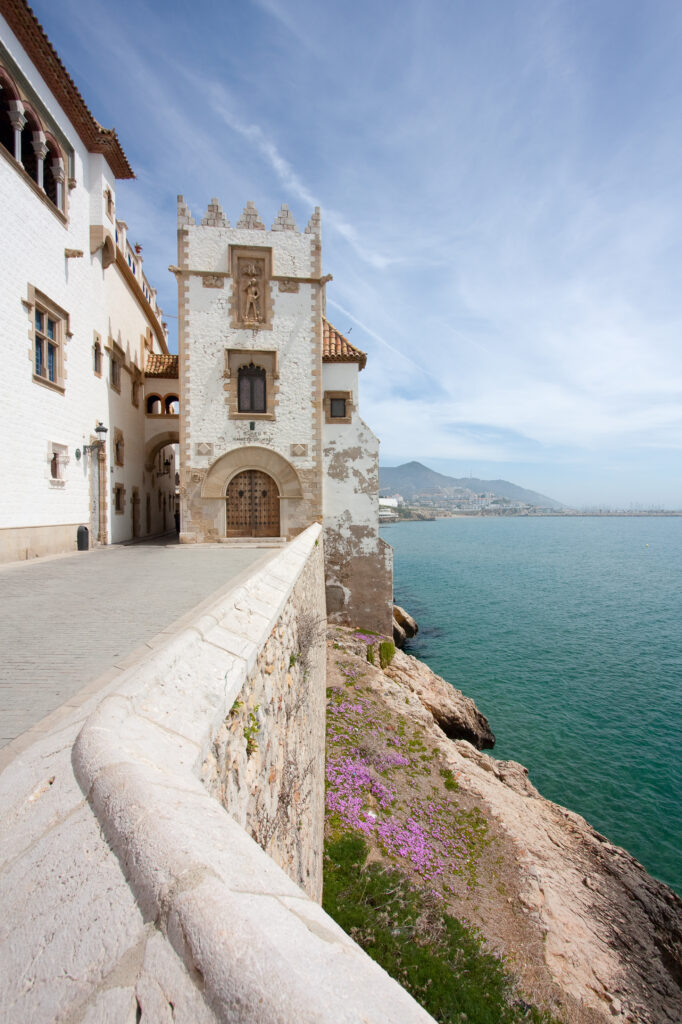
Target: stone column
[
  {"x": 102, "y": 502},
  {"x": 18, "y": 121},
  {"x": 39, "y": 144},
  {"x": 59, "y": 175}
]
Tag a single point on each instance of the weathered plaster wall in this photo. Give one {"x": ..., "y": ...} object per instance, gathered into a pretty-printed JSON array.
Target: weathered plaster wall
[
  {"x": 359, "y": 563},
  {"x": 128, "y": 892}
]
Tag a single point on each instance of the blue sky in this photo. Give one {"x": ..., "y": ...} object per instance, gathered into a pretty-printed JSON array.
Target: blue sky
[{"x": 500, "y": 192}]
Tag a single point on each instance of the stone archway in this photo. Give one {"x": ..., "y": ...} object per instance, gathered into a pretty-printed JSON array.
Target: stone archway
[
  {"x": 155, "y": 444},
  {"x": 275, "y": 465},
  {"x": 252, "y": 508},
  {"x": 271, "y": 465}
]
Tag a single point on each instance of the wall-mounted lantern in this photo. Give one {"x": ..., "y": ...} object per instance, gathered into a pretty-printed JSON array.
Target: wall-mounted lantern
[{"x": 97, "y": 445}]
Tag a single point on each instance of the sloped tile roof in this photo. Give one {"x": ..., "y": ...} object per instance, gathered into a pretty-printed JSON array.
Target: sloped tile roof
[
  {"x": 337, "y": 349},
  {"x": 161, "y": 365}
]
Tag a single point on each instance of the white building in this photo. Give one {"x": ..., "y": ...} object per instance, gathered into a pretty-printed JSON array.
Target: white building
[{"x": 79, "y": 319}]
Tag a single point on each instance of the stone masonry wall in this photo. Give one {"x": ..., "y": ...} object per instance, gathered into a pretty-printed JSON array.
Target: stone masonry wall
[{"x": 266, "y": 762}]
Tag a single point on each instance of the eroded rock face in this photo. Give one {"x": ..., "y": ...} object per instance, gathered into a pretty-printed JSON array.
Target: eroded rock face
[
  {"x": 580, "y": 920},
  {"x": 404, "y": 626},
  {"x": 457, "y": 715}
]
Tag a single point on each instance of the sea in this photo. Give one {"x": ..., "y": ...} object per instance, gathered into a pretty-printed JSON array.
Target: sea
[{"x": 567, "y": 633}]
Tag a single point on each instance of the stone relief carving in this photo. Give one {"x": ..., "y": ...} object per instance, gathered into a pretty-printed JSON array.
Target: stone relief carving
[
  {"x": 203, "y": 448},
  {"x": 213, "y": 281},
  {"x": 299, "y": 449},
  {"x": 288, "y": 286}
]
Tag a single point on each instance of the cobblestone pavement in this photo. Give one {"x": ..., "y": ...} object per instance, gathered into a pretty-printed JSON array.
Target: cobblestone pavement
[{"x": 65, "y": 621}]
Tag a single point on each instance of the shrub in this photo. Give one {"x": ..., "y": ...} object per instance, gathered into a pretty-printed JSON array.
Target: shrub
[
  {"x": 386, "y": 653},
  {"x": 440, "y": 961}
]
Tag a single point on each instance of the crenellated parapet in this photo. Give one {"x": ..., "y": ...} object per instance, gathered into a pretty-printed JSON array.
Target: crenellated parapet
[{"x": 250, "y": 219}]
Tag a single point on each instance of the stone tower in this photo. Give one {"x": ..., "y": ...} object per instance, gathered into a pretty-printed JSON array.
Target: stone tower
[{"x": 270, "y": 435}]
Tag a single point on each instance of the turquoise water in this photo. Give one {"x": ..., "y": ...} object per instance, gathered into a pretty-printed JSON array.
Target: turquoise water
[{"x": 568, "y": 635}]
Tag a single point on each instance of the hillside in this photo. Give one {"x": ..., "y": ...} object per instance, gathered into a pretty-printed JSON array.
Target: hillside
[{"x": 412, "y": 479}]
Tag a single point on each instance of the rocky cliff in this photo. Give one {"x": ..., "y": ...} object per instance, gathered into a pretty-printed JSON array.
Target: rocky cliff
[{"x": 589, "y": 935}]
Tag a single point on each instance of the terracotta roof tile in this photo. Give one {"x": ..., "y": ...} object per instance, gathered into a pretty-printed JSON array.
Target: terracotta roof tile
[
  {"x": 161, "y": 365},
  {"x": 33, "y": 38},
  {"x": 337, "y": 349}
]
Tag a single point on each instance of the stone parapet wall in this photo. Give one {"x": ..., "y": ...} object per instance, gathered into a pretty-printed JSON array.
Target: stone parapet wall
[
  {"x": 128, "y": 893},
  {"x": 266, "y": 761}
]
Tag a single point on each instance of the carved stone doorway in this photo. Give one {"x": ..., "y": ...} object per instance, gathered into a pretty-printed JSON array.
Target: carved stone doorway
[{"x": 252, "y": 505}]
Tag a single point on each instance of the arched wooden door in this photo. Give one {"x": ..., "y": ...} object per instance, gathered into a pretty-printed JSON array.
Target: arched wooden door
[{"x": 252, "y": 505}]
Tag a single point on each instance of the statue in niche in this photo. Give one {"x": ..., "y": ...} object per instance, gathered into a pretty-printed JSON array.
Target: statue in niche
[
  {"x": 251, "y": 311},
  {"x": 251, "y": 292}
]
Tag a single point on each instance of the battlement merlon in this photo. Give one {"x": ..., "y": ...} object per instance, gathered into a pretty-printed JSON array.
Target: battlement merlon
[{"x": 205, "y": 248}]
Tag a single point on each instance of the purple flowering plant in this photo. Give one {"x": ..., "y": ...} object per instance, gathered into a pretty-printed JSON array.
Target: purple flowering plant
[{"x": 366, "y": 757}]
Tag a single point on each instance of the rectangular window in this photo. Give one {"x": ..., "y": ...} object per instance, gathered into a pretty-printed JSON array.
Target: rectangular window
[
  {"x": 58, "y": 458},
  {"x": 251, "y": 389},
  {"x": 50, "y": 328},
  {"x": 338, "y": 408},
  {"x": 97, "y": 355},
  {"x": 118, "y": 447},
  {"x": 115, "y": 374},
  {"x": 119, "y": 498}
]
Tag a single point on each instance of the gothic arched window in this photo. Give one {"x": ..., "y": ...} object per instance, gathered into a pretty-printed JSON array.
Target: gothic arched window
[{"x": 251, "y": 389}]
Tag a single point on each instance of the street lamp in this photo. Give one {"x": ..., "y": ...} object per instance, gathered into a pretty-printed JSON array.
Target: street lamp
[{"x": 97, "y": 445}]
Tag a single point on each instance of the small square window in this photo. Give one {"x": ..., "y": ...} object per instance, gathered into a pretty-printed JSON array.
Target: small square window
[{"x": 338, "y": 406}]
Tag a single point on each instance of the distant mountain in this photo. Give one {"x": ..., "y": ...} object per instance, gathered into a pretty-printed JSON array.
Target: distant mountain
[{"x": 412, "y": 480}]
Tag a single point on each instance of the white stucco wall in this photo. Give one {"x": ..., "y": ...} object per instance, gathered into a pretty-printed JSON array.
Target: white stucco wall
[{"x": 33, "y": 416}]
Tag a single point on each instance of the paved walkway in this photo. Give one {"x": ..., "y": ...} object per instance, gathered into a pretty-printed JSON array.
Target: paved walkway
[{"x": 65, "y": 621}]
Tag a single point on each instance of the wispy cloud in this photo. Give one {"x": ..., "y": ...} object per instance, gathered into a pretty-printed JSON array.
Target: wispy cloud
[{"x": 500, "y": 200}]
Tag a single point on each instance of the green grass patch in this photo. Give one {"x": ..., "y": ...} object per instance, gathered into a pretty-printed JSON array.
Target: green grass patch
[
  {"x": 449, "y": 780},
  {"x": 386, "y": 653},
  {"x": 440, "y": 961}
]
